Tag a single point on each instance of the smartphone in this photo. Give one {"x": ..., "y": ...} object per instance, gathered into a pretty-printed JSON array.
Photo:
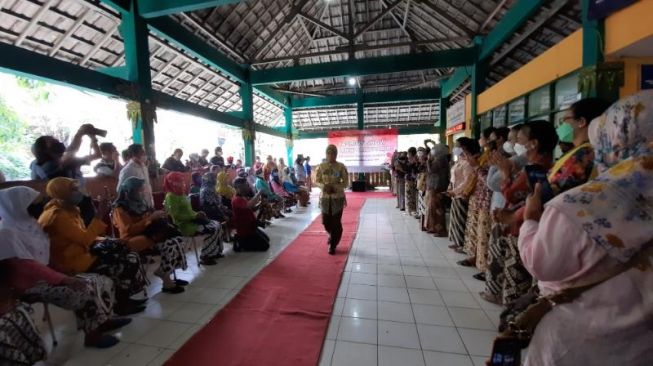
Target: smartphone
[
  {"x": 506, "y": 352},
  {"x": 537, "y": 174}
]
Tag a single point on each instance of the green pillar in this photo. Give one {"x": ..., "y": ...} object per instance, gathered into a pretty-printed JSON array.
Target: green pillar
[
  {"x": 247, "y": 98},
  {"x": 597, "y": 78},
  {"x": 442, "y": 125},
  {"x": 141, "y": 110},
  {"x": 478, "y": 86},
  {"x": 287, "y": 113}
]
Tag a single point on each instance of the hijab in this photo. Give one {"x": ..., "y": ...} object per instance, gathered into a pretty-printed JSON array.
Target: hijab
[
  {"x": 208, "y": 193},
  {"x": 22, "y": 236},
  {"x": 223, "y": 187},
  {"x": 175, "y": 183},
  {"x": 129, "y": 197},
  {"x": 275, "y": 177},
  {"x": 616, "y": 208},
  {"x": 60, "y": 188}
]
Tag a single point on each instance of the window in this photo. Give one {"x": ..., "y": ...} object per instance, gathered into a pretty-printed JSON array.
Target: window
[
  {"x": 486, "y": 120},
  {"x": 566, "y": 92},
  {"x": 539, "y": 102},
  {"x": 517, "y": 110},
  {"x": 499, "y": 116}
]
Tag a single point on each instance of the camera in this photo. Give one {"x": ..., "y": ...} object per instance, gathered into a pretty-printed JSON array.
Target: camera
[{"x": 98, "y": 132}]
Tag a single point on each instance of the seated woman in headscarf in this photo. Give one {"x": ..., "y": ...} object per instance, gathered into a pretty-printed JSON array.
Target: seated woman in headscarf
[
  {"x": 225, "y": 190},
  {"x": 24, "y": 257},
  {"x": 189, "y": 222},
  {"x": 290, "y": 186},
  {"x": 76, "y": 248},
  {"x": 271, "y": 204},
  {"x": 249, "y": 238},
  {"x": 196, "y": 182},
  {"x": 211, "y": 204},
  {"x": 599, "y": 235},
  {"x": 277, "y": 188},
  {"x": 144, "y": 230}
]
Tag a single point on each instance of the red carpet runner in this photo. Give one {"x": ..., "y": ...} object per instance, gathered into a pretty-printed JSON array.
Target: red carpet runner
[{"x": 281, "y": 316}]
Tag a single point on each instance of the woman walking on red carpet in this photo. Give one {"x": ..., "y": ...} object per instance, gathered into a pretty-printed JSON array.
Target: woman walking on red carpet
[{"x": 332, "y": 178}]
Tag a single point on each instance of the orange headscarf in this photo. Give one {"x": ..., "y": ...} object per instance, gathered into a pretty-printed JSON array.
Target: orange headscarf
[{"x": 60, "y": 188}]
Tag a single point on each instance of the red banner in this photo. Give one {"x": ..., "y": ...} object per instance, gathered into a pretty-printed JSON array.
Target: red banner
[{"x": 364, "y": 150}]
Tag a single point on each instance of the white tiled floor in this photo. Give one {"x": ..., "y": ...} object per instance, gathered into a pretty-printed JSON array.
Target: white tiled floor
[
  {"x": 170, "y": 320},
  {"x": 404, "y": 301}
]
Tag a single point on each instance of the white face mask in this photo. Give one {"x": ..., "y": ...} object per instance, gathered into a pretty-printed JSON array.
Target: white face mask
[
  {"x": 520, "y": 149},
  {"x": 509, "y": 147},
  {"x": 457, "y": 151},
  {"x": 420, "y": 154}
]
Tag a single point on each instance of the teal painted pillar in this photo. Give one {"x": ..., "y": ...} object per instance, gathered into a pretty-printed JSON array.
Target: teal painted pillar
[
  {"x": 597, "y": 78},
  {"x": 290, "y": 143},
  {"x": 141, "y": 110},
  {"x": 442, "y": 126},
  {"x": 478, "y": 86},
  {"x": 249, "y": 135}
]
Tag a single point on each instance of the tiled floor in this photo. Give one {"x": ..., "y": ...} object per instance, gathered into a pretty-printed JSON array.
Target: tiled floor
[
  {"x": 404, "y": 301},
  {"x": 170, "y": 320}
]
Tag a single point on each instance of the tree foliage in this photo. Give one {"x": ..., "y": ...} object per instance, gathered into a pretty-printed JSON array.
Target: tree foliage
[{"x": 15, "y": 139}]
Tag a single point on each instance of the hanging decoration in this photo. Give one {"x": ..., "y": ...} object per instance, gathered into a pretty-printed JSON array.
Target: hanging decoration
[
  {"x": 137, "y": 111},
  {"x": 290, "y": 143},
  {"x": 249, "y": 134}
]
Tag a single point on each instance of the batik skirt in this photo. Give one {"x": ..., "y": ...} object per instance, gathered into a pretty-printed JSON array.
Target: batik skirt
[
  {"x": 120, "y": 264},
  {"x": 494, "y": 276},
  {"x": 434, "y": 220},
  {"x": 458, "y": 221},
  {"x": 212, "y": 238},
  {"x": 479, "y": 223},
  {"x": 517, "y": 280},
  {"x": 92, "y": 305},
  {"x": 20, "y": 341},
  {"x": 173, "y": 255},
  {"x": 411, "y": 196},
  {"x": 421, "y": 204}
]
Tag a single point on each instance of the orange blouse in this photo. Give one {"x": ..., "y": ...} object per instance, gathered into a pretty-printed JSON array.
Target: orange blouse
[
  {"x": 70, "y": 239},
  {"x": 131, "y": 229}
]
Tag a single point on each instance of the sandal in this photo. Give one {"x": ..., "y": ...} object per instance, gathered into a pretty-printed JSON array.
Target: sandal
[
  {"x": 466, "y": 263},
  {"x": 100, "y": 341},
  {"x": 490, "y": 298},
  {"x": 479, "y": 276},
  {"x": 113, "y": 324},
  {"x": 173, "y": 290}
]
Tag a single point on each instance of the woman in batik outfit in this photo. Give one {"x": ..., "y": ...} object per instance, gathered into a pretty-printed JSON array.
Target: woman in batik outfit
[
  {"x": 143, "y": 230},
  {"x": 332, "y": 178},
  {"x": 479, "y": 221},
  {"x": 75, "y": 248},
  {"x": 411, "y": 182},
  {"x": 463, "y": 181},
  {"x": 603, "y": 226},
  {"x": 189, "y": 222},
  {"x": 24, "y": 256},
  {"x": 437, "y": 180}
]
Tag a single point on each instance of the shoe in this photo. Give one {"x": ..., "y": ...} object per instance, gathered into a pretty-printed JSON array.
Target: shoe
[
  {"x": 128, "y": 310},
  {"x": 466, "y": 263},
  {"x": 173, "y": 290},
  {"x": 205, "y": 261},
  {"x": 179, "y": 282},
  {"x": 453, "y": 246},
  {"x": 281, "y": 216},
  {"x": 138, "y": 302},
  {"x": 287, "y": 210},
  {"x": 100, "y": 341},
  {"x": 332, "y": 250},
  {"x": 479, "y": 276},
  {"x": 402, "y": 209},
  {"x": 490, "y": 298},
  {"x": 113, "y": 324},
  {"x": 237, "y": 248},
  {"x": 218, "y": 256}
]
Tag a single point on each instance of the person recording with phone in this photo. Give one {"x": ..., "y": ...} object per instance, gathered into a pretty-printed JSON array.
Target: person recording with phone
[{"x": 54, "y": 159}]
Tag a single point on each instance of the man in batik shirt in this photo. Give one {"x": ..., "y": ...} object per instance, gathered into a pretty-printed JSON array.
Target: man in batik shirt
[{"x": 332, "y": 178}]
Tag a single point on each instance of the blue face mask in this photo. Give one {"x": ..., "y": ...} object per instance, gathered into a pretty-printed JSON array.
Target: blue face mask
[{"x": 76, "y": 197}]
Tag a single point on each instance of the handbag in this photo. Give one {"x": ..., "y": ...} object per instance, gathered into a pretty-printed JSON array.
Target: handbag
[{"x": 523, "y": 327}]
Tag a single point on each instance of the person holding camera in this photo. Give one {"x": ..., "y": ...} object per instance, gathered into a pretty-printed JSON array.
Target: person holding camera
[{"x": 54, "y": 159}]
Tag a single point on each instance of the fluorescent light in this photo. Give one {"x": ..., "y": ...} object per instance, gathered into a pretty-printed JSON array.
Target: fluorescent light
[{"x": 351, "y": 81}]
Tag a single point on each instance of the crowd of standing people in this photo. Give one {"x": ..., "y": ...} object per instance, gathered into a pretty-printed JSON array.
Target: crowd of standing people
[{"x": 571, "y": 236}]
